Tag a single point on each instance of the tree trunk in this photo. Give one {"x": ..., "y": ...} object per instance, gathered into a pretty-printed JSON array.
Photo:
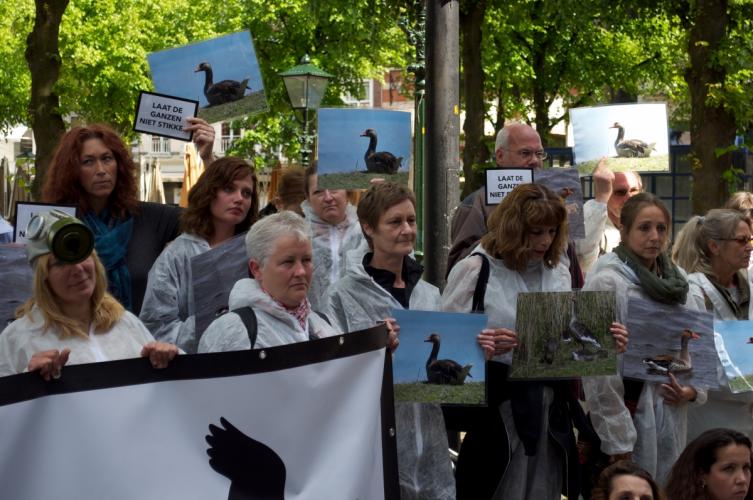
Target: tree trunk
[
  {"x": 43, "y": 58},
  {"x": 711, "y": 126},
  {"x": 474, "y": 152}
]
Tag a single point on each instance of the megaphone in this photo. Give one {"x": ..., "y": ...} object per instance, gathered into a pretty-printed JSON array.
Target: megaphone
[{"x": 66, "y": 237}]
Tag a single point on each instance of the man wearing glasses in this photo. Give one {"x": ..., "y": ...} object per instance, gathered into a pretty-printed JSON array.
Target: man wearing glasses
[
  {"x": 517, "y": 145},
  {"x": 602, "y": 213}
]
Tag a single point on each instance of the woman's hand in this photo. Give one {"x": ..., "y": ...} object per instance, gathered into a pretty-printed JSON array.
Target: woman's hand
[
  {"x": 496, "y": 341},
  {"x": 203, "y": 137},
  {"x": 393, "y": 330},
  {"x": 620, "y": 335},
  {"x": 49, "y": 363},
  {"x": 159, "y": 353},
  {"x": 676, "y": 394}
]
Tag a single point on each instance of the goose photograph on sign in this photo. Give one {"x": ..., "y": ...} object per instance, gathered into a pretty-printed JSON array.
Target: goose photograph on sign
[{"x": 221, "y": 73}]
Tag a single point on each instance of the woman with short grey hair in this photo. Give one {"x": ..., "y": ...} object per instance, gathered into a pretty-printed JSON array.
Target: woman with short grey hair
[{"x": 279, "y": 259}]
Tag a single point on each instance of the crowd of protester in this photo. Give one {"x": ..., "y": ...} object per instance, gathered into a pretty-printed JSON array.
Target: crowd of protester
[{"x": 319, "y": 266}]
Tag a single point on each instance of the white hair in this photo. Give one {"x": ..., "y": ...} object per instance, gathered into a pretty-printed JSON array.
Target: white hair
[
  {"x": 261, "y": 238},
  {"x": 503, "y": 139}
]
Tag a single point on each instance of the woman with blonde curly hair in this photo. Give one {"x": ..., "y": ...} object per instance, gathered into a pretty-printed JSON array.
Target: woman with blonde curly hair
[
  {"x": 527, "y": 438},
  {"x": 72, "y": 318},
  {"x": 222, "y": 203}
]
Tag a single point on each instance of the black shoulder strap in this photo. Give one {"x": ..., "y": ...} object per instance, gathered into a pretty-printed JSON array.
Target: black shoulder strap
[
  {"x": 480, "y": 291},
  {"x": 248, "y": 316}
]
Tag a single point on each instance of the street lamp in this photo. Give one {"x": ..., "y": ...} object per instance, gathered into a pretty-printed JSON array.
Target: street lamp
[{"x": 306, "y": 85}]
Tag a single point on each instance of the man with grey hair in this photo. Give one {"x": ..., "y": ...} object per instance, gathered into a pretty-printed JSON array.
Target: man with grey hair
[
  {"x": 517, "y": 145},
  {"x": 602, "y": 213}
]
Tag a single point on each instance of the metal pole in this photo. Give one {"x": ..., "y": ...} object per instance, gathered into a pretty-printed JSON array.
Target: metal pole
[
  {"x": 305, "y": 151},
  {"x": 442, "y": 133}
]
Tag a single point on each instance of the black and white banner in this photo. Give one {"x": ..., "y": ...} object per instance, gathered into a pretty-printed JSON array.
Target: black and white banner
[{"x": 314, "y": 420}]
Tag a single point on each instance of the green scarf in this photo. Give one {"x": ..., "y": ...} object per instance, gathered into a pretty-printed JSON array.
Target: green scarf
[{"x": 666, "y": 285}]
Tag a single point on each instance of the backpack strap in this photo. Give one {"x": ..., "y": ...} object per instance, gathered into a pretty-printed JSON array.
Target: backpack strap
[
  {"x": 248, "y": 316},
  {"x": 480, "y": 291}
]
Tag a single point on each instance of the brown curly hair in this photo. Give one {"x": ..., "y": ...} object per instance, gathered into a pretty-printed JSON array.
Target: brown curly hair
[
  {"x": 62, "y": 185},
  {"x": 684, "y": 481},
  {"x": 604, "y": 485},
  {"x": 526, "y": 207},
  {"x": 197, "y": 218}
]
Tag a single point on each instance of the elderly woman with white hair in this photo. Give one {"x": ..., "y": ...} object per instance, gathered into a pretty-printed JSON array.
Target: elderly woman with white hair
[{"x": 280, "y": 261}]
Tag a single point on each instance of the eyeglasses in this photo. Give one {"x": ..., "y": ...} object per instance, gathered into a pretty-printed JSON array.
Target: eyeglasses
[
  {"x": 624, "y": 192},
  {"x": 742, "y": 240},
  {"x": 527, "y": 154}
]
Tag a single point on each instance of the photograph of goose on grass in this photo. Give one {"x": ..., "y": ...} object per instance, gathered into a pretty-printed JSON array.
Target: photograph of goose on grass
[
  {"x": 357, "y": 145},
  {"x": 564, "y": 335},
  {"x": 439, "y": 360},
  {"x": 629, "y": 136},
  {"x": 222, "y": 74},
  {"x": 735, "y": 348},
  {"x": 670, "y": 339}
]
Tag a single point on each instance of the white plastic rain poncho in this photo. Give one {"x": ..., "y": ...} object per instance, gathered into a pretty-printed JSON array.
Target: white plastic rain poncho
[
  {"x": 658, "y": 434},
  {"x": 330, "y": 245},
  {"x": 168, "y": 308},
  {"x": 358, "y": 302},
  {"x": 601, "y": 234},
  {"x": 723, "y": 408},
  {"x": 526, "y": 477},
  {"x": 275, "y": 326},
  {"x": 27, "y": 336}
]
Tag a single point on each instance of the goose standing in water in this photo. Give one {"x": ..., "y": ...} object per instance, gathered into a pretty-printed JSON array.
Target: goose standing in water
[
  {"x": 444, "y": 371},
  {"x": 667, "y": 363}
]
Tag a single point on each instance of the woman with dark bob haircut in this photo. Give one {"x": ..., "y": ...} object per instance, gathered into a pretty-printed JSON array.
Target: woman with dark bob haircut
[
  {"x": 92, "y": 168},
  {"x": 525, "y": 447},
  {"x": 626, "y": 480},
  {"x": 224, "y": 202},
  {"x": 715, "y": 466}
]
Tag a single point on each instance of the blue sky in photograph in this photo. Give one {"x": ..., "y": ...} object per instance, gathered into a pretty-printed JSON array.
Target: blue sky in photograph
[
  {"x": 458, "y": 342},
  {"x": 232, "y": 57},
  {"x": 736, "y": 335},
  {"x": 341, "y": 149},
  {"x": 593, "y": 138}
]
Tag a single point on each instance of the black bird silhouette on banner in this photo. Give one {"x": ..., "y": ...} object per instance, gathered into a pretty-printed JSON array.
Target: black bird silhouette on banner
[{"x": 255, "y": 471}]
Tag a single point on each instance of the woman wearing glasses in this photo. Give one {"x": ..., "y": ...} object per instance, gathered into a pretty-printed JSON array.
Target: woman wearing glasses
[{"x": 716, "y": 249}]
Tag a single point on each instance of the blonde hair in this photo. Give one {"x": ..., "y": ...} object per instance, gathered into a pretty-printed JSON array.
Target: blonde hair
[
  {"x": 106, "y": 310},
  {"x": 691, "y": 249}
]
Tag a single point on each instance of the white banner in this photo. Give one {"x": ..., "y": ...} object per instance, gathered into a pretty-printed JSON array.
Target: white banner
[{"x": 314, "y": 430}]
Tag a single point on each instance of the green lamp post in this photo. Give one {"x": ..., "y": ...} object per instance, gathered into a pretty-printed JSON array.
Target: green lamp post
[{"x": 305, "y": 85}]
